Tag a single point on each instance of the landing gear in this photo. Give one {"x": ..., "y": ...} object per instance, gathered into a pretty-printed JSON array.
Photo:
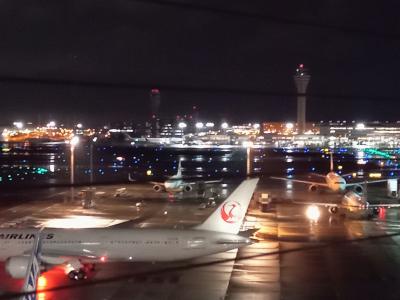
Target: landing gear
[{"x": 77, "y": 275}]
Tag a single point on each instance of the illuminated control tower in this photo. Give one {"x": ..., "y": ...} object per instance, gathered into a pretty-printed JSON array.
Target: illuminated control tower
[
  {"x": 301, "y": 79},
  {"x": 155, "y": 102}
]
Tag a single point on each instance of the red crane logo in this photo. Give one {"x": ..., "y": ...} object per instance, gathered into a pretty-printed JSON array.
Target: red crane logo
[{"x": 231, "y": 212}]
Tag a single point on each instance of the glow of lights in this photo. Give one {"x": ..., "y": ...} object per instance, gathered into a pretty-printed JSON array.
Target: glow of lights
[
  {"x": 247, "y": 144},
  {"x": 256, "y": 126},
  {"x": 120, "y": 158},
  {"x": 224, "y": 125},
  {"x": 209, "y": 124},
  {"x": 182, "y": 125},
  {"x": 103, "y": 259},
  {"x": 51, "y": 124},
  {"x": 340, "y": 167},
  {"x": 360, "y": 126},
  {"x": 41, "y": 283},
  {"x": 289, "y": 126},
  {"x": 199, "y": 125},
  {"x": 375, "y": 175},
  {"x": 313, "y": 213},
  {"x": 74, "y": 141},
  {"x": 18, "y": 124},
  {"x": 79, "y": 125},
  {"x": 361, "y": 162},
  {"x": 52, "y": 168},
  {"x": 94, "y": 139},
  {"x": 149, "y": 173}
]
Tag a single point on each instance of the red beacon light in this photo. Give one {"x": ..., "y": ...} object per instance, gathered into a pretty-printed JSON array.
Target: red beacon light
[{"x": 301, "y": 66}]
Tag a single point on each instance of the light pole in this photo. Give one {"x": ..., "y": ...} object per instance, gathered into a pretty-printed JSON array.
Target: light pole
[
  {"x": 73, "y": 143},
  {"x": 92, "y": 141}
]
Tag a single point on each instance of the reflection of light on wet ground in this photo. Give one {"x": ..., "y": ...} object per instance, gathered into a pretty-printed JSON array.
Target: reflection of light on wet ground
[{"x": 81, "y": 222}]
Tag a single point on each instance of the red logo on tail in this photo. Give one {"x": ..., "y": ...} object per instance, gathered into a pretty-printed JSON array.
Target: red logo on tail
[{"x": 231, "y": 212}]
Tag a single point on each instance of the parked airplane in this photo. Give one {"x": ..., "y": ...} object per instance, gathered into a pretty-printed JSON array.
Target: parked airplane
[
  {"x": 177, "y": 183},
  {"x": 80, "y": 249},
  {"x": 351, "y": 205},
  {"x": 333, "y": 181}
]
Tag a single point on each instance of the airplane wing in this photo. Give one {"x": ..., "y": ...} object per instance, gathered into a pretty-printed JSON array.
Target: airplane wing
[
  {"x": 386, "y": 205},
  {"x": 156, "y": 183},
  {"x": 33, "y": 270},
  {"x": 203, "y": 181},
  {"x": 301, "y": 181},
  {"x": 367, "y": 182},
  {"x": 317, "y": 175},
  {"x": 324, "y": 204}
]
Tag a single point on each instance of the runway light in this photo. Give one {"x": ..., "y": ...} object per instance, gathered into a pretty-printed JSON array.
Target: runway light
[{"x": 313, "y": 213}]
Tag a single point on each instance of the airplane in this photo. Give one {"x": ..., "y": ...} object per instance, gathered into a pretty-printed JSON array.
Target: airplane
[
  {"x": 177, "y": 182},
  {"x": 333, "y": 181},
  {"x": 352, "y": 205},
  {"x": 78, "y": 250}
]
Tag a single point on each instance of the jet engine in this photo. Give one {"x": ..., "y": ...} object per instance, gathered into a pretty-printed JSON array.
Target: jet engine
[
  {"x": 17, "y": 266},
  {"x": 333, "y": 210},
  {"x": 313, "y": 188},
  {"x": 187, "y": 188},
  {"x": 359, "y": 189},
  {"x": 157, "y": 188}
]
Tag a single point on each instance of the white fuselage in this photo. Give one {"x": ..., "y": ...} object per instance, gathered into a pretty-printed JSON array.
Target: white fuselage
[
  {"x": 335, "y": 182},
  {"x": 118, "y": 244},
  {"x": 174, "y": 185}
]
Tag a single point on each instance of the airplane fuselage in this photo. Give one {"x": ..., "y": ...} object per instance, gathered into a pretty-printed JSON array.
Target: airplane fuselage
[
  {"x": 335, "y": 182},
  {"x": 118, "y": 244},
  {"x": 174, "y": 185}
]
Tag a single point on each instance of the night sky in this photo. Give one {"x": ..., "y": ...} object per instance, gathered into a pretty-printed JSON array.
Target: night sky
[{"x": 120, "y": 48}]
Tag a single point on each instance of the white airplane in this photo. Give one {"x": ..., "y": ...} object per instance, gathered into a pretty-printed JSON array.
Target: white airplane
[
  {"x": 79, "y": 249},
  {"x": 177, "y": 182},
  {"x": 351, "y": 205},
  {"x": 333, "y": 181}
]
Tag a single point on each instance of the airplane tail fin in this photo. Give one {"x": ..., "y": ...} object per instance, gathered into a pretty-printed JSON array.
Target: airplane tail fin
[
  {"x": 331, "y": 162},
  {"x": 179, "y": 171},
  {"x": 130, "y": 178},
  {"x": 229, "y": 215},
  {"x": 33, "y": 270}
]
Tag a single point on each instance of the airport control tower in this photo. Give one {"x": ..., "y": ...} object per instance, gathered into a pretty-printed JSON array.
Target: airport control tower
[
  {"x": 301, "y": 79},
  {"x": 155, "y": 102}
]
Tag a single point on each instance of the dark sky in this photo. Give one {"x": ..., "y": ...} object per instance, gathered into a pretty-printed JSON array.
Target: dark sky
[{"x": 131, "y": 44}]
